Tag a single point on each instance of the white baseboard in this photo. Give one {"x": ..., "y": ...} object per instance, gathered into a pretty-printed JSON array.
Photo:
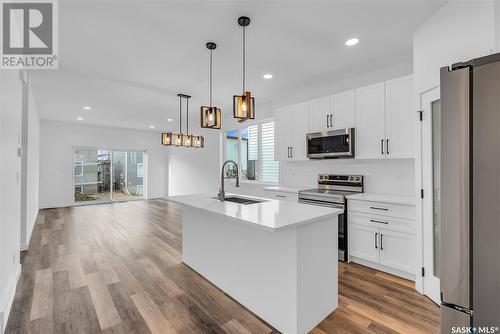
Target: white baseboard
[
  {"x": 6, "y": 303},
  {"x": 396, "y": 272}
]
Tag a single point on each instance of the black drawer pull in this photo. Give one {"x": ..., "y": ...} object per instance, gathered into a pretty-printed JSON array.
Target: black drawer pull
[
  {"x": 376, "y": 208},
  {"x": 378, "y": 221}
]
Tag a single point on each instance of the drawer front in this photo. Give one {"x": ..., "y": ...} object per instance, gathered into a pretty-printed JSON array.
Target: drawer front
[
  {"x": 282, "y": 196},
  {"x": 383, "y": 209},
  {"x": 390, "y": 223}
]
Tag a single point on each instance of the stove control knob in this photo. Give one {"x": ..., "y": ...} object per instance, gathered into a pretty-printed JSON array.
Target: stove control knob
[
  {"x": 357, "y": 178},
  {"x": 351, "y": 178}
]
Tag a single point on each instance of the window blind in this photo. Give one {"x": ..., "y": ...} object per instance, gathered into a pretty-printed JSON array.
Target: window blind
[{"x": 269, "y": 167}]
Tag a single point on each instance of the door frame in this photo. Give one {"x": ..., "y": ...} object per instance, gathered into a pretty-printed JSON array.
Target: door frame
[
  {"x": 144, "y": 180},
  {"x": 429, "y": 283}
]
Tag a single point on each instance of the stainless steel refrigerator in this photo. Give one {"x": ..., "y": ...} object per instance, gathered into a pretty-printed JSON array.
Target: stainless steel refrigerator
[{"x": 470, "y": 195}]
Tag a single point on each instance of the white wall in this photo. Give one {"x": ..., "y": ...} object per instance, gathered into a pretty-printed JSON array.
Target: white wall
[
  {"x": 10, "y": 188},
  {"x": 57, "y": 140},
  {"x": 191, "y": 170},
  {"x": 459, "y": 31}
]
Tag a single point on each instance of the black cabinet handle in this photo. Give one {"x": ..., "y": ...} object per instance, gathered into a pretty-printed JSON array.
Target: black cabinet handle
[
  {"x": 377, "y": 208},
  {"x": 327, "y": 124},
  {"x": 381, "y": 238},
  {"x": 291, "y": 151},
  {"x": 378, "y": 221},
  {"x": 376, "y": 234},
  {"x": 382, "y": 146},
  {"x": 387, "y": 146},
  {"x": 288, "y": 148},
  {"x": 331, "y": 120}
]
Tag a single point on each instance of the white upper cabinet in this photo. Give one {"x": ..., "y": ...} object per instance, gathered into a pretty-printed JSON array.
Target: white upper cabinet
[
  {"x": 370, "y": 122},
  {"x": 300, "y": 127},
  {"x": 382, "y": 114},
  {"x": 282, "y": 133},
  {"x": 291, "y": 126},
  {"x": 320, "y": 114},
  {"x": 344, "y": 110},
  {"x": 400, "y": 118}
]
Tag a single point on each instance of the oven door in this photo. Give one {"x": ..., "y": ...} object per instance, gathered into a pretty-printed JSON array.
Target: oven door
[
  {"x": 342, "y": 225},
  {"x": 331, "y": 144}
]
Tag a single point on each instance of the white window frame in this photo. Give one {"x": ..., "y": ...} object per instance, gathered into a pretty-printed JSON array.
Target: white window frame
[
  {"x": 79, "y": 163},
  {"x": 142, "y": 166},
  {"x": 81, "y": 187},
  {"x": 239, "y": 128}
]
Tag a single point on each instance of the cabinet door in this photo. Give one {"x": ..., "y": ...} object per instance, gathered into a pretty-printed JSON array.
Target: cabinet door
[
  {"x": 344, "y": 110},
  {"x": 370, "y": 122},
  {"x": 320, "y": 111},
  {"x": 397, "y": 250},
  {"x": 400, "y": 118},
  {"x": 282, "y": 128},
  {"x": 363, "y": 242},
  {"x": 300, "y": 126}
]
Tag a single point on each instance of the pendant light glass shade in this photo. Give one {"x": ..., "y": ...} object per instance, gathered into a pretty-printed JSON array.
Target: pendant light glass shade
[
  {"x": 244, "y": 107},
  {"x": 187, "y": 140},
  {"x": 210, "y": 116},
  {"x": 244, "y": 104},
  {"x": 178, "y": 139},
  {"x": 198, "y": 141},
  {"x": 166, "y": 138}
]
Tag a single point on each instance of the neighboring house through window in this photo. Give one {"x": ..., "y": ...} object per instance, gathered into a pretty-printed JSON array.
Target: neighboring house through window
[
  {"x": 140, "y": 169},
  {"x": 78, "y": 168}
]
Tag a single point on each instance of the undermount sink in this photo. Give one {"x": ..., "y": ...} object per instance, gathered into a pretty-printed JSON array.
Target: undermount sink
[{"x": 243, "y": 200}]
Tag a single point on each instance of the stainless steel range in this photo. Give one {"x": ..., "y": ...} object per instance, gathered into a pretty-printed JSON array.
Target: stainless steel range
[{"x": 331, "y": 192}]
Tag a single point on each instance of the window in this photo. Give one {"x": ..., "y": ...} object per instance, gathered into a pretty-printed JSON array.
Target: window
[
  {"x": 140, "y": 169},
  {"x": 139, "y": 189},
  {"x": 78, "y": 189},
  {"x": 253, "y": 148},
  {"x": 78, "y": 168}
]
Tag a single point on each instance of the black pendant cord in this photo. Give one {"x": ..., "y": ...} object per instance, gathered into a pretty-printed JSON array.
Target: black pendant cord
[
  {"x": 244, "y": 59},
  {"x": 211, "y": 78},
  {"x": 180, "y": 115},
  {"x": 187, "y": 116}
]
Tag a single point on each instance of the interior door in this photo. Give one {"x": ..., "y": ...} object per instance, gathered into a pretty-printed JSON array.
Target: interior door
[
  {"x": 370, "y": 122},
  {"x": 431, "y": 206}
]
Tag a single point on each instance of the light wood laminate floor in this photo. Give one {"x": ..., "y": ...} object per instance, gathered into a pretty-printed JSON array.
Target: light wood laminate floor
[{"x": 116, "y": 268}]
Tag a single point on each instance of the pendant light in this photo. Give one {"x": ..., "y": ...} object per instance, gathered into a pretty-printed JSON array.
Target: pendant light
[
  {"x": 210, "y": 116},
  {"x": 182, "y": 139},
  {"x": 244, "y": 105}
]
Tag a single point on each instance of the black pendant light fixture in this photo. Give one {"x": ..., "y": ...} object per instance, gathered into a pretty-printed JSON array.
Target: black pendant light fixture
[
  {"x": 210, "y": 116},
  {"x": 244, "y": 105},
  {"x": 182, "y": 139}
]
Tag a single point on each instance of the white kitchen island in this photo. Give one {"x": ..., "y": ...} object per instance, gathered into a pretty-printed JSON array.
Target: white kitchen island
[{"x": 277, "y": 258}]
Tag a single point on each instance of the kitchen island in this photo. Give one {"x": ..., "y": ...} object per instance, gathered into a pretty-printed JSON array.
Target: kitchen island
[{"x": 277, "y": 258}]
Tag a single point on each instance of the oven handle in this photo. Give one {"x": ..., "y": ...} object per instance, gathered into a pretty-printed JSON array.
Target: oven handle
[{"x": 321, "y": 203}]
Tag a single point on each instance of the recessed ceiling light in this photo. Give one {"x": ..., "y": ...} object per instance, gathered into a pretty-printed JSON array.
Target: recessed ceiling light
[
  {"x": 87, "y": 108},
  {"x": 267, "y": 76},
  {"x": 79, "y": 118},
  {"x": 170, "y": 120},
  {"x": 352, "y": 41},
  {"x": 151, "y": 126}
]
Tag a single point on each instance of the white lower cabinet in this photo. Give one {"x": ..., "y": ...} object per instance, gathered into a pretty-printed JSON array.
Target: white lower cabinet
[
  {"x": 396, "y": 250},
  {"x": 363, "y": 242},
  {"x": 381, "y": 240}
]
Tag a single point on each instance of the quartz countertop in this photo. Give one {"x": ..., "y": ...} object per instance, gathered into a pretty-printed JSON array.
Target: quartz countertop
[
  {"x": 271, "y": 214},
  {"x": 395, "y": 199}
]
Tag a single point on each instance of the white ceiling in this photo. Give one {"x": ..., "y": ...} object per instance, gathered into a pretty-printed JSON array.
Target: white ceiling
[{"x": 129, "y": 59}]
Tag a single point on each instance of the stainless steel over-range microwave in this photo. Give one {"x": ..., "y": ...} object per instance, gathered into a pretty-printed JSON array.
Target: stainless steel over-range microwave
[{"x": 331, "y": 144}]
